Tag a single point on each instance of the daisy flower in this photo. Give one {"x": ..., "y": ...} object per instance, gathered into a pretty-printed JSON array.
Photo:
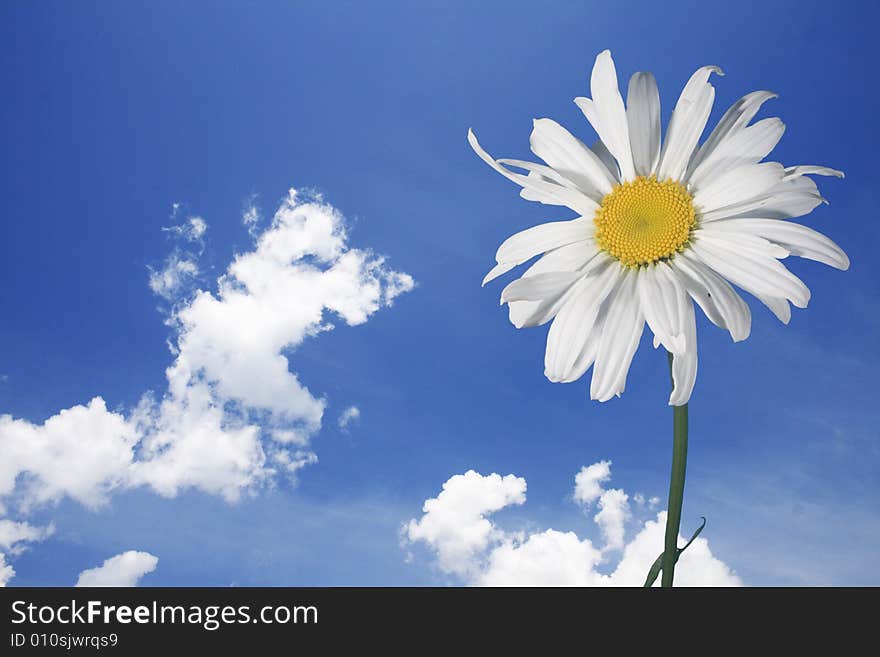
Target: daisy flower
[{"x": 662, "y": 224}]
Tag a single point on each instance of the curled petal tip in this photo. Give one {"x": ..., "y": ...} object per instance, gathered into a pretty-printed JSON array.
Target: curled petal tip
[
  {"x": 553, "y": 378},
  {"x": 472, "y": 140},
  {"x": 496, "y": 271}
]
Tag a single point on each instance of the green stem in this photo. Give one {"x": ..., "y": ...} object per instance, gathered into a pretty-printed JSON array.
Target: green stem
[{"x": 676, "y": 488}]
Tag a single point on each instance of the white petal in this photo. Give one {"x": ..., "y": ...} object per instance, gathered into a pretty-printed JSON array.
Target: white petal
[
  {"x": 760, "y": 275},
  {"x": 812, "y": 169},
  {"x": 792, "y": 197},
  {"x": 536, "y": 313},
  {"x": 539, "y": 286},
  {"x": 643, "y": 117},
  {"x": 529, "y": 314},
  {"x": 531, "y": 195},
  {"x": 573, "y": 326},
  {"x": 542, "y": 170},
  {"x": 612, "y": 127},
  {"x": 777, "y": 306},
  {"x": 572, "y": 198},
  {"x": 664, "y": 302},
  {"x": 745, "y": 244},
  {"x": 684, "y": 366},
  {"x": 528, "y": 243},
  {"x": 748, "y": 146},
  {"x": 571, "y": 158},
  {"x": 498, "y": 270},
  {"x": 570, "y": 257},
  {"x": 588, "y": 108},
  {"x": 795, "y": 238},
  {"x": 719, "y": 301},
  {"x": 687, "y": 123},
  {"x": 735, "y": 119},
  {"x": 620, "y": 338},
  {"x": 605, "y": 156},
  {"x": 591, "y": 346},
  {"x": 738, "y": 185}
]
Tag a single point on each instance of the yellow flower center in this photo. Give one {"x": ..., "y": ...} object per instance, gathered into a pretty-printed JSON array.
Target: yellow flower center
[{"x": 644, "y": 220}]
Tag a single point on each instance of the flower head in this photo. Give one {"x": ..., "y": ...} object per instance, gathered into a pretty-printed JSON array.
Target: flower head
[{"x": 660, "y": 226}]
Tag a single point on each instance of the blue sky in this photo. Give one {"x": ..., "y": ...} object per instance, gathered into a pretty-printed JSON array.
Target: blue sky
[{"x": 115, "y": 112}]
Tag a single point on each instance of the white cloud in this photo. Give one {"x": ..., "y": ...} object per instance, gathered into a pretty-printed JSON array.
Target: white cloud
[
  {"x": 83, "y": 452},
  {"x": 454, "y": 522},
  {"x": 469, "y": 546},
  {"x": 549, "y": 558},
  {"x": 613, "y": 514},
  {"x": 236, "y": 340},
  {"x": 614, "y": 509},
  {"x": 124, "y": 569},
  {"x": 190, "y": 440},
  {"x": 177, "y": 276},
  {"x": 178, "y": 271},
  {"x": 250, "y": 215},
  {"x": 196, "y": 228},
  {"x": 7, "y": 572},
  {"x": 193, "y": 229},
  {"x": 349, "y": 415},
  {"x": 697, "y": 566},
  {"x": 13, "y": 535},
  {"x": 234, "y": 414},
  {"x": 643, "y": 502},
  {"x": 588, "y": 482}
]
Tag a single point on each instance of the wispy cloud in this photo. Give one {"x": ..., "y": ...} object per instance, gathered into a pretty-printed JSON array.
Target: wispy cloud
[
  {"x": 348, "y": 416},
  {"x": 192, "y": 229},
  {"x": 250, "y": 215},
  {"x": 178, "y": 275}
]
